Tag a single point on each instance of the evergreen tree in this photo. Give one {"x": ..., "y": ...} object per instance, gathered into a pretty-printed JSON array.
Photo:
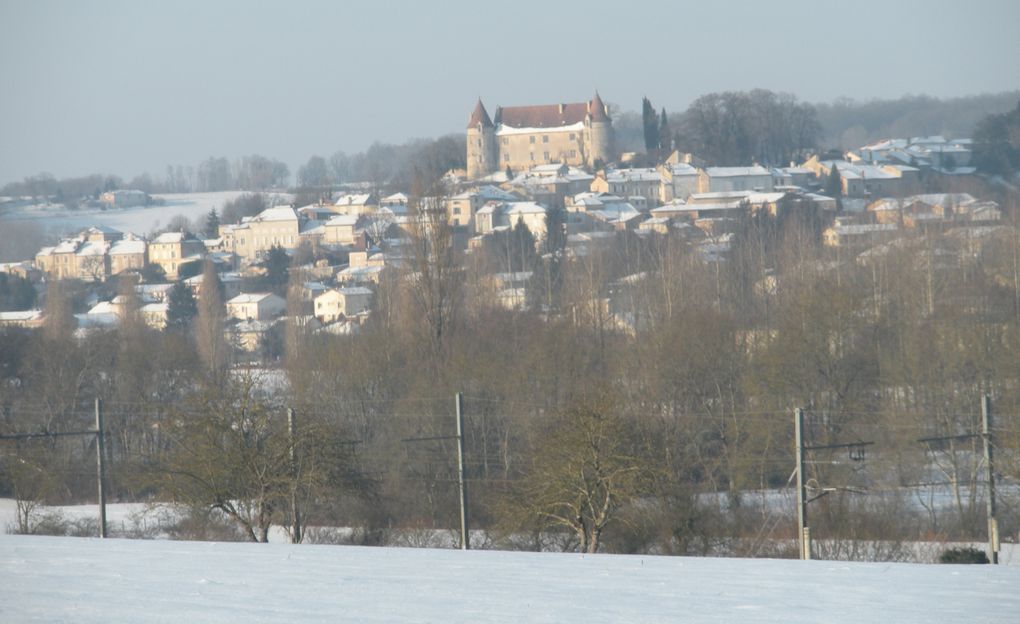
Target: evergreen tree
[
  {"x": 650, "y": 123},
  {"x": 212, "y": 224},
  {"x": 276, "y": 265},
  {"x": 834, "y": 185},
  {"x": 665, "y": 133},
  {"x": 181, "y": 307}
]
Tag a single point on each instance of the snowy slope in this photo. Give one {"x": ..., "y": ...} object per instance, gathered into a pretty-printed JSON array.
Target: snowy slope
[
  {"x": 139, "y": 220},
  {"x": 58, "y": 579}
]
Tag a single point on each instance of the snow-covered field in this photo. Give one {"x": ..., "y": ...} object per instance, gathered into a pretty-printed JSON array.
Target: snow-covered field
[
  {"x": 59, "y": 579},
  {"x": 139, "y": 220}
]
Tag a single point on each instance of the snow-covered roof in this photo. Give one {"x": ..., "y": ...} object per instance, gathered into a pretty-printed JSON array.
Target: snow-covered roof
[
  {"x": 128, "y": 246},
  {"x": 342, "y": 221},
  {"x": 277, "y": 213},
  {"x": 864, "y": 228},
  {"x": 396, "y": 198},
  {"x": 250, "y": 298},
  {"x": 354, "y": 290},
  {"x": 522, "y": 208},
  {"x": 683, "y": 169},
  {"x": 169, "y": 237},
  {"x": 93, "y": 248},
  {"x": 722, "y": 172},
  {"x": 20, "y": 316},
  {"x": 634, "y": 175},
  {"x": 359, "y": 199},
  {"x": 505, "y": 130}
]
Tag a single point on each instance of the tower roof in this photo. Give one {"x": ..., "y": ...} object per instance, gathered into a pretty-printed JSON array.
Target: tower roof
[
  {"x": 479, "y": 116},
  {"x": 597, "y": 109}
]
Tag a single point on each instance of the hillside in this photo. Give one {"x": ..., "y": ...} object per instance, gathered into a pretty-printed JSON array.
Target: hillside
[
  {"x": 849, "y": 123},
  {"x": 46, "y": 579}
]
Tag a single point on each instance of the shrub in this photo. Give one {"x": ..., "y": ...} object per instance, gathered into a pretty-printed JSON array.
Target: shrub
[{"x": 963, "y": 555}]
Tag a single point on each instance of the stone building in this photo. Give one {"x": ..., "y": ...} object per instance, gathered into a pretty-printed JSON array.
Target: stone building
[{"x": 520, "y": 137}]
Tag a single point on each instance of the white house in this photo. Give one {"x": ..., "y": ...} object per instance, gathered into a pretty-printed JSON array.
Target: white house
[
  {"x": 342, "y": 302},
  {"x": 256, "y": 306}
]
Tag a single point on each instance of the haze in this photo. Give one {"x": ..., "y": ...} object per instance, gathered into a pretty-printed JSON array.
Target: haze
[{"x": 128, "y": 87}]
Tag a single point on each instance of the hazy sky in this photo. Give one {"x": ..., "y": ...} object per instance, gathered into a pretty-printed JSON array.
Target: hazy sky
[{"x": 127, "y": 87}]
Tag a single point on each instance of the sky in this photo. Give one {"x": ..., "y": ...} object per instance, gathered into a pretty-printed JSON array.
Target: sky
[{"x": 126, "y": 87}]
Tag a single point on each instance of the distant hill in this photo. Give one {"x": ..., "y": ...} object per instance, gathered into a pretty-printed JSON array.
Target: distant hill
[{"x": 848, "y": 123}]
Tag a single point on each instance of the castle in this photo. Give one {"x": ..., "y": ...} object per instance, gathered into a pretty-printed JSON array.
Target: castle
[{"x": 520, "y": 137}]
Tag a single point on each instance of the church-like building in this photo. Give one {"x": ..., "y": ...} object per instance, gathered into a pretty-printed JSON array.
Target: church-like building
[{"x": 520, "y": 137}]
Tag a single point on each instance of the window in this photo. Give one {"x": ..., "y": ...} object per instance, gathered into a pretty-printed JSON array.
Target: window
[
  {"x": 532, "y": 139},
  {"x": 573, "y": 137},
  {"x": 456, "y": 211},
  {"x": 506, "y": 157},
  {"x": 545, "y": 138},
  {"x": 532, "y": 156},
  {"x": 506, "y": 141},
  {"x": 545, "y": 155},
  {"x": 479, "y": 142},
  {"x": 573, "y": 153}
]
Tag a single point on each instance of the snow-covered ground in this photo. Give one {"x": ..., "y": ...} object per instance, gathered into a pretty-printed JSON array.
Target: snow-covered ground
[
  {"x": 139, "y": 220},
  {"x": 59, "y": 579}
]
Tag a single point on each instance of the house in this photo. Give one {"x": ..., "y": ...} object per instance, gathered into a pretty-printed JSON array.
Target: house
[
  {"x": 720, "y": 179},
  {"x": 679, "y": 181},
  {"x": 127, "y": 254},
  {"x": 461, "y": 208},
  {"x": 520, "y": 137},
  {"x": 338, "y": 303},
  {"x": 255, "y": 236},
  {"x": 256, "y": 306},
  {"x": 155, "y": 314},
  {"x": 532, "y": 215},
  {"x": 801, "y": 177},
  {"x": 124, "y": 198},
  {"x": 75, "y": 258},
  {"x": 356, "y": 204},
  {"x": 859, "y": 234},
  {"x": 173, "y": 250},
  {"x": 22, "y": 318},
  {"x": 231, "y": 283},
  {"x": 644, "y": 182},
  {"x": 340, "y": 230},
  {"x": 250, "y": 335}
]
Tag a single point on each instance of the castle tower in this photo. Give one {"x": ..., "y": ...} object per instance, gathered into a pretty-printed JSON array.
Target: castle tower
[
  {"x": 600, "y": 131},
  {"x": 481, "y": 143}
]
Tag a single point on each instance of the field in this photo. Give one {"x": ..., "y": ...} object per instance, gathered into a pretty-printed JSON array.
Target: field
[
  {"x": 60, "y": 579},
  {"x": 139, "y": 220}
]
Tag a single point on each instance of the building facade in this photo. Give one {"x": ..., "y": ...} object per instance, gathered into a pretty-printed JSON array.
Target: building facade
[{"x": 520, "y": 137}]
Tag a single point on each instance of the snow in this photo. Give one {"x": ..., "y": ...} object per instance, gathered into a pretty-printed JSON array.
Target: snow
[
  {"x": 138, "y": 219},
  {"x": 503, "y": 129},
  {"x": 61, "y": 579}
]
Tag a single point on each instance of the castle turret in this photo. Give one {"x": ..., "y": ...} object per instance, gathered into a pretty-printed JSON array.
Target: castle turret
[
  {"x": 600, "y": 130},
  {"x": 481, "y": 143}
]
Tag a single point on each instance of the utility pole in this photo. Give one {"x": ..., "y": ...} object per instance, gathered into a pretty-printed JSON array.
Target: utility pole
[
  {"x": 993, "y": 524},
  {"x": 100, "y": 468},
  {"x": 295, "y": 513},
  {"x": 803, "y": 537},
  {"x": 465, "y": 537}
]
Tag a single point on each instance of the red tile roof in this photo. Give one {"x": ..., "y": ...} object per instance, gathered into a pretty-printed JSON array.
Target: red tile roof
[{"x": 479, "y": 116}]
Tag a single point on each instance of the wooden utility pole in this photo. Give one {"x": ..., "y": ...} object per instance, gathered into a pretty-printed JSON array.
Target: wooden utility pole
[
  {"x": 802, "y": 519},
  {"x": 100, "y": 468},
  {"x": 993, "y": 524},
  {"x": 295, "y": 513},
  {"x": 465, "y": 537}
]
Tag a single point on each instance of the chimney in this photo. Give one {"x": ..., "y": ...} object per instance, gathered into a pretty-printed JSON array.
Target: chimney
[{"x": 563, "y": 107}]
